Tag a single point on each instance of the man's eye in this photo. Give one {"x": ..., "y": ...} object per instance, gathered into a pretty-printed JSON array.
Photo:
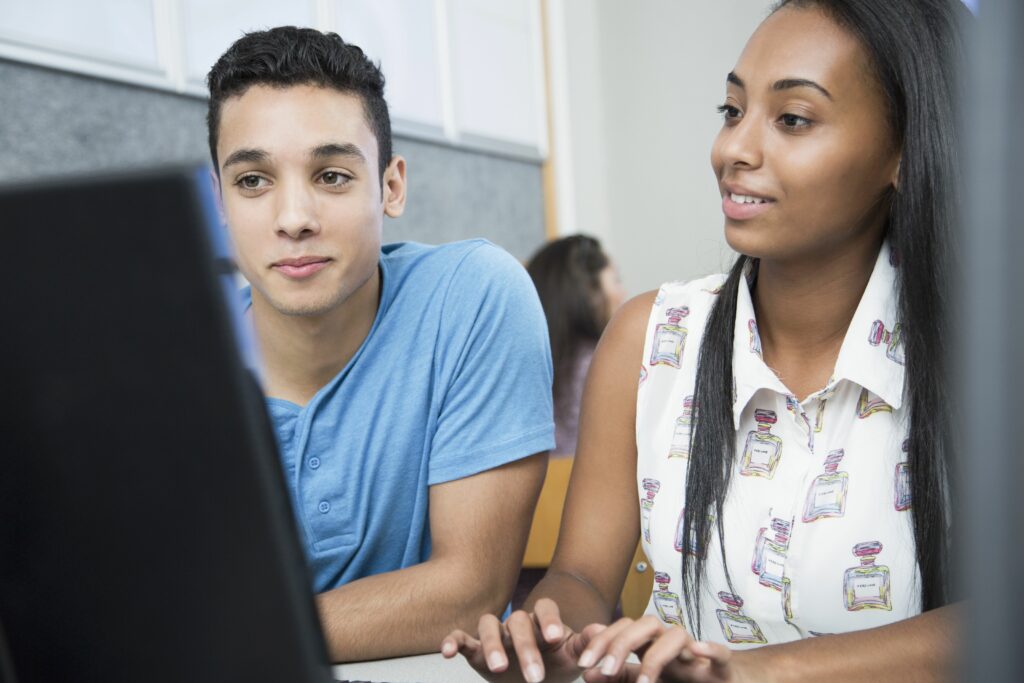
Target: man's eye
[
  {"x": 334, "y": 178},
  {"x": 250, "y": 182}
]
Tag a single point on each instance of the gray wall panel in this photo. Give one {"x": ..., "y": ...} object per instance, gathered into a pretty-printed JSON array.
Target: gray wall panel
[{"x": 55, "y": 123}]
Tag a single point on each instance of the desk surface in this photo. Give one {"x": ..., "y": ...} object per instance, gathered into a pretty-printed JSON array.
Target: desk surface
[{"x": 432, "y": 668}]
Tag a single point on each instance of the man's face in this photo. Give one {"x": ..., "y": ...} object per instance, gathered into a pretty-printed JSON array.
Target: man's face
[{"x": 303, "y": 195}]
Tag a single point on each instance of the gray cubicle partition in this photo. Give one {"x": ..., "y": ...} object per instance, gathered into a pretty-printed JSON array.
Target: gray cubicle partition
[
  {"x": 53, "y": 122},
  {"x": 991, "y": 327}
]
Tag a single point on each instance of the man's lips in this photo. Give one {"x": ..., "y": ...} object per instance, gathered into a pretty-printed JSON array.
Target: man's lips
[{"x": 302, "y": 267}]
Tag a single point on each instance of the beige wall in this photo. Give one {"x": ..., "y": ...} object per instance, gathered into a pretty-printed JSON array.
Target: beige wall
[{"x": 634, "y": 90}]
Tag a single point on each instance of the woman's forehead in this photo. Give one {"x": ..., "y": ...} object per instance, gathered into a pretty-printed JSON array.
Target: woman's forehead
[{"x": 803, "y": 43}]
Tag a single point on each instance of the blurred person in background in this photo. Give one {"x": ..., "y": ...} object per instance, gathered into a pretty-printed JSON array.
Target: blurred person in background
[{"x": 580, "y": 290}]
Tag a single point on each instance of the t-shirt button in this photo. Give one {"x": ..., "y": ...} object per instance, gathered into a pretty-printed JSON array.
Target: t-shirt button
[
  {"x": 314, "y": 462},
  {"x": 324, "y": 507}
]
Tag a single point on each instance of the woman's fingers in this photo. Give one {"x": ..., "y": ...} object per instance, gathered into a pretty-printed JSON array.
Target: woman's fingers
[
  {"x": 673, "y": 646},
  {"x": 492, "y": 641},
  {"x": 549, "y": 620},
  {"x": 623, "y": 638},
  {"x": 459, "y": 642},
  {"x": 597, "y": 652},
  {"x": 523, "y": 631}
]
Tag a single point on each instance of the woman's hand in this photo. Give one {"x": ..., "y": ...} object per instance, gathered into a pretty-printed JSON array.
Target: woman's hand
[
  {"x": 527, "y": 647},
  {"x": 666, "y": 653}
]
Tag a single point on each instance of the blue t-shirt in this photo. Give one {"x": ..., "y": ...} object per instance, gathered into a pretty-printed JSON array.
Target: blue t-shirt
[{"x": 454, "y": 378}]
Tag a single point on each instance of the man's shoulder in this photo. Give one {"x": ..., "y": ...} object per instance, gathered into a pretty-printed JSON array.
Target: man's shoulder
[
  {"x": 449, "y": 254},
  {"x": 476, "y": 260}
]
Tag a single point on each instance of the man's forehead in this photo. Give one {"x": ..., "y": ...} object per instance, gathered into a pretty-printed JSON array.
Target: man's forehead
[{"x": 300, "y": 119}]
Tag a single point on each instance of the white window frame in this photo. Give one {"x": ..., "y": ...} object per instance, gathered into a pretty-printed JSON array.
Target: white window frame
[{"x": 170, "y": 75}]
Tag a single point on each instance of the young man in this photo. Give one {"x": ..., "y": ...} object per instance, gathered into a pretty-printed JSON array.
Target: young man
[{"x": 410, "y": 386}]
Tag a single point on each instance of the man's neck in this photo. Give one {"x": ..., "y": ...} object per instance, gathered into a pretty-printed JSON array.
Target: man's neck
[
  {"x": 804, "y": 310},
  {"x": 303, "y": 353}
]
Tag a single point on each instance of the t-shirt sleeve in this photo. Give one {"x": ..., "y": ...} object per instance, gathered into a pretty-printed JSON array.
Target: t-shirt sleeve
[{"x": 495, "y": 369}]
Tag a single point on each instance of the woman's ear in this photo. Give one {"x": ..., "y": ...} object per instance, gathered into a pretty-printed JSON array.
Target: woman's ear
[{"x": 896, "y": 174}]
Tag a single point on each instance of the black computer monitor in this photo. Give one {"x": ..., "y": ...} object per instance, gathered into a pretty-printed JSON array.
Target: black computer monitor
[{"x": 145, "y": 530}]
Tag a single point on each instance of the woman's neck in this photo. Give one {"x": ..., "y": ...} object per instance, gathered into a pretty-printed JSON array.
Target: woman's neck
[{"x": 804, "y": 309}]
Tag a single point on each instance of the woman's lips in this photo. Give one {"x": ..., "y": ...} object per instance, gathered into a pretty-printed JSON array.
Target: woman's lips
[{"x": 739, "y": 211}]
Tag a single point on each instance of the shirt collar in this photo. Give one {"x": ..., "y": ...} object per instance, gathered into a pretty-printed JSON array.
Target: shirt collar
[
  {"x": 749, "y": 372},
  {"x": 871, "y": 354},
  {"x": 872, "y": 351}
]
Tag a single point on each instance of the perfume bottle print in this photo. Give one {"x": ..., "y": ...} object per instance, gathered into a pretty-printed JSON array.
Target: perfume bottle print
[
  {"x": 680, "y": 447},
  {"x": 693, "y": 547},
  {"x": 736, "y": 626},
  {"x": 666, "y": 602},
  {"x": 902, "y": 482},
  {"x": 787, "y": 600},
  {"x": 867, "y": 406},
  {"x": 669, "y": 339},
  {"x": 763, "y": 449},
  {"x": 819, "y": 419},
  {"x": 891, "y": 338},
  {"x": 651, "y": 486},
  {"x": 827, "y": 495},
  {"x": 755, "y": 338},
  {"x": 769, "y": 561},
  {"x": 867, "y": 586}
]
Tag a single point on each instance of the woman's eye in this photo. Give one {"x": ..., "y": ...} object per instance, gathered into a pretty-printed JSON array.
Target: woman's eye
[
  {"x": 794, "y": 121},
  {"x": 728, "y": 111}
]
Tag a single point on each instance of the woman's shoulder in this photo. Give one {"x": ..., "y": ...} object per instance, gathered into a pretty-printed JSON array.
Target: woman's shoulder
[
  {"x": 629, "y": 325},
  {"x": 699, "y": 292}
]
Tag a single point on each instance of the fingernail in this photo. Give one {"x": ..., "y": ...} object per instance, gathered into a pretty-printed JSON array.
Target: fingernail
[
  {"x": 586, "y": 659},
  {"x": 608, "y": 665},
  {"x": 534, "y": 674},
  {"x": 553, "y": 632},
  {"x": 495, "y": 661},
  {"x": 447, "y": 647},
  {"x": 642, "y": 678}
]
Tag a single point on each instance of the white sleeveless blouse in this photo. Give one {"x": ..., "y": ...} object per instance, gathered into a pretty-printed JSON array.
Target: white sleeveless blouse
[{"x": 818, "y": 531}]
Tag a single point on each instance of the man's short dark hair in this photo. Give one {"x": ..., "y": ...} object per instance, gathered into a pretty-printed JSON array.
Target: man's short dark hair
[{"x": 286, "y": 56}]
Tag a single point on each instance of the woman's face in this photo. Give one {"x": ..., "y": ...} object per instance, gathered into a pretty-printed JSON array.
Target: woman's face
[{"x": 805, "y": 157}]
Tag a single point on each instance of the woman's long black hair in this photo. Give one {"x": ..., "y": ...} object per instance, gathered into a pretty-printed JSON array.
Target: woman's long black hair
[{"x": 915, "y": 49}]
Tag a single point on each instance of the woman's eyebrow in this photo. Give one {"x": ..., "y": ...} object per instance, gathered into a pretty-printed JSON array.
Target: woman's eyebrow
[
  {"x": 782, "y": 84},
  {"x": 787, "y": 83}
]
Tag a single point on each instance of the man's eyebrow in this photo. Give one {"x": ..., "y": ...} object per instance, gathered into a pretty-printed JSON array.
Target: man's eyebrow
[
  {"x": 337, "y": 149},
  {"x": 243, "y": 156},
  {"x": 787, "y": 83}
]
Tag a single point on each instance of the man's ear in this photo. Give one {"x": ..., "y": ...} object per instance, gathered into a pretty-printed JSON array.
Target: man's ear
[
  {"x": 393, "y": 187},
  {"x": 218, "y": 198}
]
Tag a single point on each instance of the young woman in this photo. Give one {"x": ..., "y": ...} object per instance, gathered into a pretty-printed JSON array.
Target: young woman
[
  {"x": 788, "y": 435},
  {"x": 579, "y": 289}
]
